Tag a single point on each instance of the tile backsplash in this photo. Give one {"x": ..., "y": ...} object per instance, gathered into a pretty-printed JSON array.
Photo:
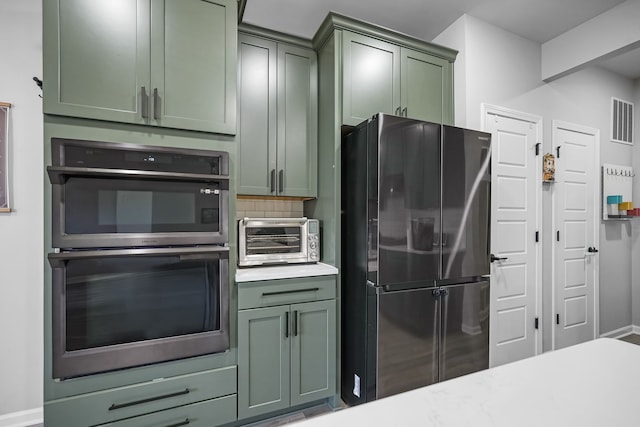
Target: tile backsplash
[{"x": 261, "y": 208}]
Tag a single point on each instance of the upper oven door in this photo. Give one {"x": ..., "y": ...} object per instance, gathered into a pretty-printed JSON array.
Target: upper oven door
[
  {"x": 118, "y": 211},
  {"x": 107, "y": 195}
]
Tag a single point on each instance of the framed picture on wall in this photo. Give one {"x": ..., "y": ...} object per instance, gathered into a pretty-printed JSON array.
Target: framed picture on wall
[{"x": 4, "y": 157}]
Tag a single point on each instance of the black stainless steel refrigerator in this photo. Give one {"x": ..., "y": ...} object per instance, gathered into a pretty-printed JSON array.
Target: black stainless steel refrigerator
[{"x": 415, "y": 255}]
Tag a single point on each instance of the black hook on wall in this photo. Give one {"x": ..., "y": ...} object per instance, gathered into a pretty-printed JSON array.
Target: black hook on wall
[{"x": 39, "y": 83}]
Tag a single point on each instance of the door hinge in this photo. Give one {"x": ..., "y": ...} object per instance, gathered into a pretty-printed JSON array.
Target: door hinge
[
  {"x": 535, "y": 323},
  {"x": 557, "y": 318},
  {"x": 558, "y": 236},
  {"x": 537, "y": 149},
  {"x": 537, "y": 236}
]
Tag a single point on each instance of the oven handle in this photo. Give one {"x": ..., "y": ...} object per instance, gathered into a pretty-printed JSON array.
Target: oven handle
[
  {"x": 192, "y": 253},
  {"x": 58, "y": 174}
]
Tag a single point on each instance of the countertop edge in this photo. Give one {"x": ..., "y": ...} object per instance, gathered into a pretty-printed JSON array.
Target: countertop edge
[{"x": 254, "y": 274}]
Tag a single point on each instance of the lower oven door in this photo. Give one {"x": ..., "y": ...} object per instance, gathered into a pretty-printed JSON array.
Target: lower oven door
[{"x": 114, "y": 309}]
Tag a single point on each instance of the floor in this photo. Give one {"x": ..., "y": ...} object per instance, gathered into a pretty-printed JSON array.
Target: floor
[
  {"x": 633, "y": 338},
  {"x": 315, "y": 411},
  {"x": 311, "y": 412}
]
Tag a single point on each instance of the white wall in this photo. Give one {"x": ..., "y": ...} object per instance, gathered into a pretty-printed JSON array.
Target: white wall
[
  {"x": 21, "y": 243},
  {"x": 503, "y": 69},
  {"x": 636, "y": 225}
]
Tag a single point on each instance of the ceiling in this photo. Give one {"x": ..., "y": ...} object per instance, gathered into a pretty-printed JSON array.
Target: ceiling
[{"x": 537, "y": 20}]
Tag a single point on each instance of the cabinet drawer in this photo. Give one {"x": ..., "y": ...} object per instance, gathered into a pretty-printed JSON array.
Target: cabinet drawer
[
  {"x": 285, "y": 291},
  {"x": 139, "y": 399},
  {"x": 209, "y": 413}
]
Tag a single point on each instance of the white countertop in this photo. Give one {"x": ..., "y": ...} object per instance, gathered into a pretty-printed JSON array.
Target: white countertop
[
  {"x": 253, "y": 274},
  {"x": 593, "y": 384}
]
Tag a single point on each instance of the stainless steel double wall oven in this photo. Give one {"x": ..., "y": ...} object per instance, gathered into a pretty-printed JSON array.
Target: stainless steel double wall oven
[{"x": 140, "y": 265}]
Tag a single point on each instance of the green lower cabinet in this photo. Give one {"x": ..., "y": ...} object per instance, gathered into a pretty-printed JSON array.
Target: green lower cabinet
[
  {"x": 139, "y": 401},
  {"x": 209, "y": 413},
  {"x": 263, "y": 354},
  {"x": 286, "y": 356},
  {"x": 313, "y": 351}
]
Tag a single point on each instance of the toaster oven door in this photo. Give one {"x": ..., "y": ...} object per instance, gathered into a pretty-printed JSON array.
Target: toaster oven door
[{"x": 264, "y": 241}]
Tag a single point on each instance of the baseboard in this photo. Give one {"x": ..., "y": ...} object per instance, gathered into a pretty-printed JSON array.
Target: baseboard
[
  {"x": 26, "y": 418},
  {"x": 621, "y": 332}
]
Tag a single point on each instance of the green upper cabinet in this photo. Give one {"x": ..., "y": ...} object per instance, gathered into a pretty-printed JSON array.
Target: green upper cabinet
[
  {"x": 278, "y": 109},
  {"x": 426, "y": 87},
  {"x": 193, "y": 64},
  {"x": 378, "y": 76},
  {"x": 381, "y": 71},
  {"x": 370, "y": 78},
  {"x": 154, "y": 62}
]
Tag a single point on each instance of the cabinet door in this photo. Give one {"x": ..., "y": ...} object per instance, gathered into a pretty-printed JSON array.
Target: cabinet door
[
  {"x": 263, "y": 360},
  {"x": 313, "y": 351},
  {"x": 96, "y": 59},
  {"x": 370, "y": 78},
  {"x": 297, "y": 121},
  {"x": 193, "y": 64},
  {"x": 257, "y": 116},
  {"x": 426, "y": 86}
]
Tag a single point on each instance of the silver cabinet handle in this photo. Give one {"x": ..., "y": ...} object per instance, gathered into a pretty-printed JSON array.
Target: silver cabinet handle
[
  {"x": 156, "y": 104},
  {"x": 397, "y": 112},
  {"x": 144, "y": 100},
  {"x": 281, "y": 181},
  {"x": 404, "y": 112}
]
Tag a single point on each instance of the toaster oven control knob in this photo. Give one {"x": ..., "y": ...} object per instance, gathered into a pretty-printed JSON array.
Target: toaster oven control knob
[
  {"x": 314, "y": 255},
  {"x": 313, "y": 245}
]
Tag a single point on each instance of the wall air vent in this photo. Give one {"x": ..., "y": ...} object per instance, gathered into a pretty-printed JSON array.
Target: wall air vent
[{"x": 621, "y": 121}]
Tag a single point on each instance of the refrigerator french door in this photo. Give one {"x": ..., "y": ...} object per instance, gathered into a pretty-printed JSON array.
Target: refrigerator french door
[
  {"x": 427, "y": 335},
  {"x": 415, "y": 255}
]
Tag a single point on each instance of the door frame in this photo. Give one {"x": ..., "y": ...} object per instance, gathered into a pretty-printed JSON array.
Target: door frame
[
  {"x": 490, "y": 109},
  {"x": 597, "y": 207}
]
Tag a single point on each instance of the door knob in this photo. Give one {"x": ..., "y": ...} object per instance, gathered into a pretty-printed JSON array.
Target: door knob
[
  {"x": 591, "y": 249},
  {"x": 495, "y": 258}
]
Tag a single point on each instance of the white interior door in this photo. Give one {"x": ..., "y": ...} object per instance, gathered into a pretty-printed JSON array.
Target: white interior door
[
  {"x": 515, "y": 219},
  {"x": 575, "y": 222}
]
